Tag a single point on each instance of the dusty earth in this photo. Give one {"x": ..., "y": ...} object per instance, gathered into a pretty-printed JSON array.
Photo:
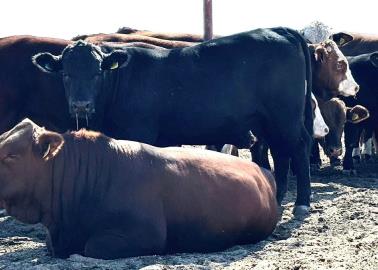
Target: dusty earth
[{"x": 340, "y": 233}]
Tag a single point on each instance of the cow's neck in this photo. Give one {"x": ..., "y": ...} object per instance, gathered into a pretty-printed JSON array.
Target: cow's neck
[
  {"x": 317, "y": 89},
  {"x": 79, "y": 175}
]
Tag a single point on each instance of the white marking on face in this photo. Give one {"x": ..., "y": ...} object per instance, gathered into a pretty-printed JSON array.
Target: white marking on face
[
  {"x": 356, "y": 152},
  {"x": 320, "y": 127},
  {"x": 367, "y": 147},
  {"x": 348, "y": 86}
]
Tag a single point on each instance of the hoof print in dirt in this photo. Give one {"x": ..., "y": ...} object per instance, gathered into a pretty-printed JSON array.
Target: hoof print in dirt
[{"x": 301, "y": 211}]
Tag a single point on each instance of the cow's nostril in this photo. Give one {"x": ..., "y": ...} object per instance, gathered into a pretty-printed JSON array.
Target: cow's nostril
[
  {"x": 326, "y": 130},
  {"x": 357, "y": 88}
]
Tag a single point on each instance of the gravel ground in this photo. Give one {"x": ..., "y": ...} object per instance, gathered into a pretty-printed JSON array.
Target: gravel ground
[{"x": 340, "y": 233}]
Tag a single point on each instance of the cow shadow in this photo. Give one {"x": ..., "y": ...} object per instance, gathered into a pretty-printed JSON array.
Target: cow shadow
[
  {"x": 14, "y": 232},
  {"x": 366, "y": 177}
]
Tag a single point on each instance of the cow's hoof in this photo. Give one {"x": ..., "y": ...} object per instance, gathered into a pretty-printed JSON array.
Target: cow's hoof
[
  {"x": 301, "y": 211},
  {"x": 356, "y": 160},
  {"x": 351, "y": 172},
  {"x": 3, "y": 213}
]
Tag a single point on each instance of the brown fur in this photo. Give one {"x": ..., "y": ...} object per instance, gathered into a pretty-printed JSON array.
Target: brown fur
[
  {"x": 326, "y": 77},
  {"x": 122, "y": 38},
  {"x": 109, "y": 199},
  {"x": 24, "y": 90}
]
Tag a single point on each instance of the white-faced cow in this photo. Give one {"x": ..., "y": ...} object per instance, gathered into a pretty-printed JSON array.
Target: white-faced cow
[
  {"x": 336, "y": 114},
  {"x": 211, "y": 93}
]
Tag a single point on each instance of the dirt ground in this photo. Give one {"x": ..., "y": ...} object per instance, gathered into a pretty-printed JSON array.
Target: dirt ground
[{"x": 340, "y": 233}]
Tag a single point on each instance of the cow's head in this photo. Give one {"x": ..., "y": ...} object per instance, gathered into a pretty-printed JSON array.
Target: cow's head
[
  {"x": 332, "y": 76},
  {"x": 82, "y": 66},
  {"x": 336, "y": 114},
  {"x": 24, "y": 153},
  {"x": 320, "y": 127},
  {"x": 342, "y": 38}
]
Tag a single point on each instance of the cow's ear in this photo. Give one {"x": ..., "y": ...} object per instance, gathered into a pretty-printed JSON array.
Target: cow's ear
[
  {"x": 374, "y": 59},
  {"x": 357, "y": 114},
  {"x": 114, "y": 60},
  {"x": 48, "y": 144},
  {"x": 47, "y": 62},
  {"x": 320, "y": 53},
  {"x": 341, "y": 38}
]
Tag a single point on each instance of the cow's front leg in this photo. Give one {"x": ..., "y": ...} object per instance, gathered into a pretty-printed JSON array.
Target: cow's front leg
[
  {"x": 138, "y": 241},
  {"x": 62, "y": 243}
]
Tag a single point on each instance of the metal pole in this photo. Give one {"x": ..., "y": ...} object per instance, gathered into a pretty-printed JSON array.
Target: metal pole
[{"x": 208, "y": 19}]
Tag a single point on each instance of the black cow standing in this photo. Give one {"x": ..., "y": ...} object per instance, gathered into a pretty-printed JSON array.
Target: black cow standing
[
  {"x": 365, "y": 71},
  {"x": 212, "y": 93}
]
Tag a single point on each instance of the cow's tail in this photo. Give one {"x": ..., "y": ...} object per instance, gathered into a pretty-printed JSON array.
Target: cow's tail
[{"x": 308, "y": 118}]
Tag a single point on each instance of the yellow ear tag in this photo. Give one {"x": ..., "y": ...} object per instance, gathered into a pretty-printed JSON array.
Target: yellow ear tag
[
  {"x": 354, "y": 117},
  {"x": 342, "y": 41},
  {"x": 114, "y": 65}
]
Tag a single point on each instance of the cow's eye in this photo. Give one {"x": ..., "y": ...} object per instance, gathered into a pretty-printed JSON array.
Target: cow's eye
[{"x": 340, "y": 65}]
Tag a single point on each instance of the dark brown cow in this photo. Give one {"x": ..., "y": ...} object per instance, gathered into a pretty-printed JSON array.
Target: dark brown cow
[
  {"x": 352, "y": 44},
  {"x": 122, "y": 38},
  {"x": 166, "y": 36},
  {"x": 23, "y": 91},
  {"x": 336, "y": 114},
  {"x": 104, "y": 198}
]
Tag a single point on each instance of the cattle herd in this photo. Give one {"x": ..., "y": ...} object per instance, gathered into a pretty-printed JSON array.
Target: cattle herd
[{"x": 86, "y": 124}]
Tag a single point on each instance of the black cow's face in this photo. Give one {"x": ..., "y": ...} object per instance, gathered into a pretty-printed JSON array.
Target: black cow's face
[{"x": 82, "y": 66}]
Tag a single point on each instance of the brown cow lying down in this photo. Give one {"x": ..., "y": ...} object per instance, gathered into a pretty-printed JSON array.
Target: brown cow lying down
[{"x": 104, "y": 198}]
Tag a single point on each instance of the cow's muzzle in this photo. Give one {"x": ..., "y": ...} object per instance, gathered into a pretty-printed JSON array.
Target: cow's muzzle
[
  {"x": 334, "y": 152},
  {"x": 82, "y": 109}
]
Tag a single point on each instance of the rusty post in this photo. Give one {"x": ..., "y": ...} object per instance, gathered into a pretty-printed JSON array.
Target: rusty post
[{"x": 208, "y": 19}]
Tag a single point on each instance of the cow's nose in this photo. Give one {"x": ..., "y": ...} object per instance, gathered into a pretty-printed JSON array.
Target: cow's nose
[
  {"x": 82, "y": 106},
  {"x": 326, "y": 130},
  {"x": 335, "y": 152}
]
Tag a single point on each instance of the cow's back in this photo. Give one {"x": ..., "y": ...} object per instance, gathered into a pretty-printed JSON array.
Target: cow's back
[
  {"x": 360, "y": 44},
  {"x": 205, "y": 200},
  {"x": 222, "y": 83}
]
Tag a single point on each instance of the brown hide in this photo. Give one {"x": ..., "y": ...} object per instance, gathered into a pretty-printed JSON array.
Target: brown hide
[
  {"x": 104, "y": 198},
  {"x": 24, "y": 90},
  {"x": 122, "y": 38}
]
